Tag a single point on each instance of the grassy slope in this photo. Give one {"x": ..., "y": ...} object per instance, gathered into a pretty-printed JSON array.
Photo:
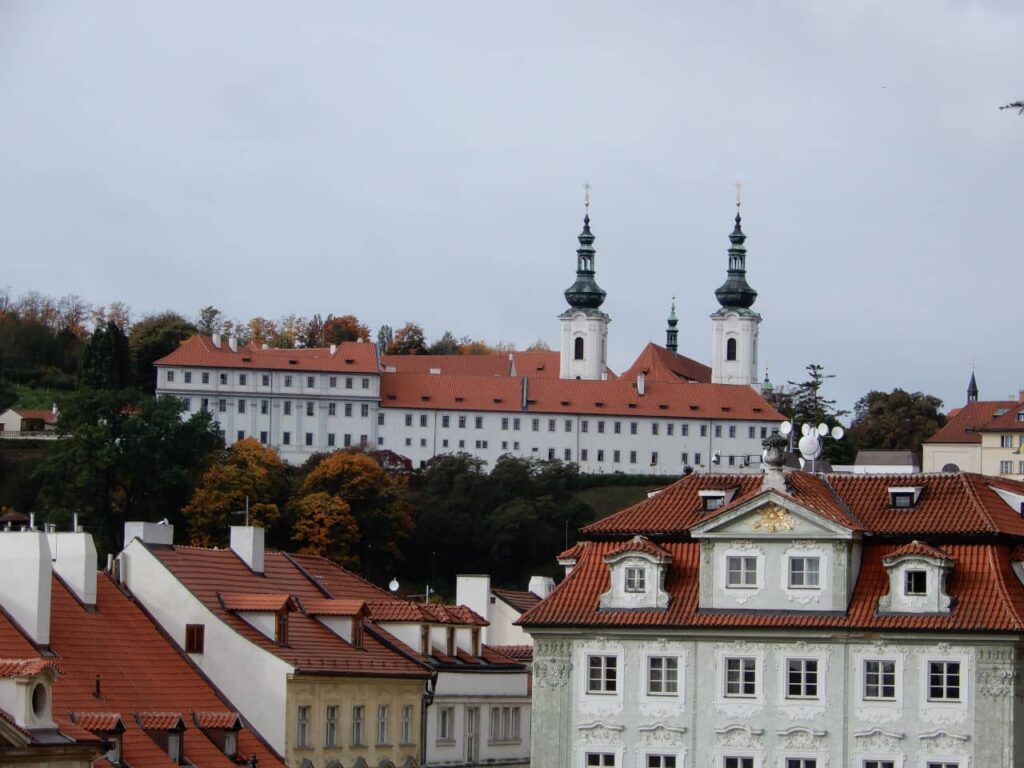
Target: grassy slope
[{"x": 606, "y": 499}]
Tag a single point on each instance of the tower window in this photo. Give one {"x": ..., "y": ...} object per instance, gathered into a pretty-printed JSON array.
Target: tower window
[
  {"x": 578, "y": 350},
  {"x": 730, "y": 349}
]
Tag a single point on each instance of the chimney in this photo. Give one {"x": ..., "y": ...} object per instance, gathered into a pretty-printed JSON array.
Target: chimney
[
  {"x": 474, "y": 592},
  {"x": 334, "y": 348},
  {"x": 149, "y": 533},
  {"x": 247, "y": 543},
  {"x": 74, "y": 560},
  {"x": 1020, "y": 397},
  {"x": 25, "y": 561},
  {"x": 511, "y": 365},
  {"x": 264, "y": 345},
  {"x": 215, "y": 338},
  {"x": 640, "y": 382},
  {"x": 233, "y": 343},
  {"x": 541, "y": 586}
]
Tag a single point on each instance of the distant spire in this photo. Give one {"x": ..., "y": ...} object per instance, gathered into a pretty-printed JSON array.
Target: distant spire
[
  {"x": 972, "y": 390},
  {"x": 585, "y": 293},
  {"x": 767, "y": 386},
  {"x": 671, "y": 334},
  {"x": 735, "y": 292}
]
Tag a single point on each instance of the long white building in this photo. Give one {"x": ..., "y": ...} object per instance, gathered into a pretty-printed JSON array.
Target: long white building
[{"x": 664, "y": 414}]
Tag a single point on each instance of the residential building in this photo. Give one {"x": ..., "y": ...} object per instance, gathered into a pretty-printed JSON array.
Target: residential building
[
  {"x": 88, "y": 678},
  {"x": 23, "y": 423},
  {"x": 664, "y": 414},
  {"x": 985, "y": 436},
  {"x": 792, "y": 620},
  {"x": 882, "y": 462},
  {"x": 501, "y": 607},
  {"x": 328, "y": 666}
]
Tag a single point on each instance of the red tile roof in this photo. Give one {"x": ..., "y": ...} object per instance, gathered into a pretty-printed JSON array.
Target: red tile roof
[
  {"x": 963, "y": 423},
  {"x": 25, "y": 667},
  {"x": 349, "y": 357},
  {"x": 532, "y": 364},
  {"x": 1008, "y": 422},
  {"x": 522, "y": 601},
  {"x": 160, "y": 721},
  {"x": 409, "y": 611},
  {"x": 659, "y": 364},
  {"x": 522, "y": 653},
  {"x": 139, "y": 671},
  {"x": 256, "y": 602},
  {"x": 666, "y": 399},
  {"x": 640, "y": 544},
  {"x": 572, "y": 552},
  {"x": 918, "y": 549},
  {"x": 334, "y": 606},
  {"x": 46, "y": 416},
  {"x": 311, "y": 647},
  {"x": 217, "y": 720}
]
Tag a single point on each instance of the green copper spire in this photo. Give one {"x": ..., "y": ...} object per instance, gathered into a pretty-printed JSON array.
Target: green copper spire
[
  {"x": 585, "y": 293},
  {"x": 671, "y": 334},
  {"x": 735, "y": 292}
]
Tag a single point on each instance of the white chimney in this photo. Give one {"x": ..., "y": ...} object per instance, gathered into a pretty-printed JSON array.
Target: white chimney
[
  {"x": 215, "y": 338},
  {"x": 334, "y": 348},
  {"x": 264, "y": 346},
  {"x": 74, "y": 560},
  {"x": 474, "y": 592},
  {"x": 640, "y": 383},
  {"x": 233, "y": 343},
  {"x": 25, "y": 562},
  {"x": 149, "y": 533},
  {"x": 541, "y": 586},
  {"x": 247, "y": 543}
]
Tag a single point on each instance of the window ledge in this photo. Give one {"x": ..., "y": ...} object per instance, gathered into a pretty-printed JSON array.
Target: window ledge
[
  {"x": 445, "y": 742},
  {"x": 503, "y": 742}
]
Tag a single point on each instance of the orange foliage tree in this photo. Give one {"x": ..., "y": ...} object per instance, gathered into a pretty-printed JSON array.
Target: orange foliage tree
[
  {"x": 324, "y": 526},
  {"x": 344, "y": 328}
]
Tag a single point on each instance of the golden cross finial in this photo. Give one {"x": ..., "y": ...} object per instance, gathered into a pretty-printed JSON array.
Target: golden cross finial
[
  {"x": 739, "y": 188},
  {"x": 586, "y": 196}
]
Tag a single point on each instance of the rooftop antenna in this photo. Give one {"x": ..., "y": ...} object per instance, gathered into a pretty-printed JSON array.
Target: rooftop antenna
[
  {"x": 739, "y": 195},
  {"x": 586, "y": 198},
  {"x": 244, "y": 511}
]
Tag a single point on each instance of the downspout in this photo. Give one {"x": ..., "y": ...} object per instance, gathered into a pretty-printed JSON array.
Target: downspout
[{"x": 428, "y": 698}]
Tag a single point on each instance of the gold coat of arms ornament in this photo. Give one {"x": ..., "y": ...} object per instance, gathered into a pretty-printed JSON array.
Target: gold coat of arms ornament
[{"x": 772, "y": 518}]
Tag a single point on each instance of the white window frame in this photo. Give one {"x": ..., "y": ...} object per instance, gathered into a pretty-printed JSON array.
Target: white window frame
[
  {"x": 605, "y": 662},
  {"x": 928, "y": 671},
  {"x": 663, "y": 660},
  {"x": 755, "y": 667},
  {"x": 804, "y": 572},
  {"x": 881, "y": 684},
  {"x": 635, "y": 579},
  {"x": 801, "y": 664},
  {"x": 446, "y": 724},
  {"x": 745, "y": 581}
]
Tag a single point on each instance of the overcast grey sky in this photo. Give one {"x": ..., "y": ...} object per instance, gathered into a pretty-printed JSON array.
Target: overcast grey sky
[{"x": 424, "y": 160}]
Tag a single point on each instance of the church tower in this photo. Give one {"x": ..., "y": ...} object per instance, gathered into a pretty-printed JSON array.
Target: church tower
[
  {"x": 735, "y": 325},
  {"x": 584, "y": 347},
  {"x": 672, "y": 333}
]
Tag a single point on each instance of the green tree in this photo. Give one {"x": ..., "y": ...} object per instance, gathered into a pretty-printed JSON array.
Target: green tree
[
  {"x": 810, "y": 406},
  {"x": 895, "y": 420},
  {"x": 245, "y": 475},
  {"x": 312, "y": 335},
  {"x": 384, "y": 338},
  {"x": 210, "y": 321},
  {"x": 408, "y": 340},
  {"x": 154, "y": 337},
  {"x": 106, "y": 361},
  {"x": 124, "y": 457},
  {"x": 446, "y": 345}
]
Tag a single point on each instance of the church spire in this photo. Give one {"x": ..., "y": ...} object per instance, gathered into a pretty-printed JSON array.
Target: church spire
[
  {"x": 585, "y": 293},
  {"x": 671, "y": 334},
  {"x": 735, "y": 292},
  {"x": 972, "y": 390}
]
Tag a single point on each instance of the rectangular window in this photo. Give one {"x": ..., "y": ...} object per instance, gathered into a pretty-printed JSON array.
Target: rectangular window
[
  {"x": 264, "y": 407},
  {"x": 661, "y": 761},
  {"x": 551, "y": 425},
  {"x": 446, "y": 421},
  {"x": 188, "y": 377},
  {"x": 616, "y": 457},
  {"x": 568, "y": 454},
  {"x": 287, "y": 407},
  {"x": 584, "y": 425},
  {"x": 879, "y": 679},
  {"x": 332, "y": 409},
  {"x": 879, "y": 764},
  {"x": 741, "y": 572},
  {"x": 696, "y": 458},
  {"x": 408, "y": 419},
  {"x": 462, "y": 422},
  {"x": 446, "y": 724},
  {"x": 331, "y": 729},
  {"x": 407, "y": 724},
  {"x": 504, "y": 724},
  {"x": 751, "y": 432},
  {"x": 804, "y": 573},
  {"x": 551, "y": 454},
  {"x": 206, "y": 377},
  {"x": 348, "y": 409},
  {"x": 347, "y": 440},
  {"x": 632, "y": 457},
  {"x": 309, "y": 408},
  {"x": 636, "y": 579},
  {"x": 801, "y": 762},
  {"x": 330, "y": 439},
  {"x": 654, "y": 428},
  {"x": 358, "y": 725},
  {"x": 617, "y": 427},
  {"x": 504, "y": 422},
  {"x": 382, "y": 725},
  {"x": 302, "y": 728},
  {"x": 632, "y": 427},
  {"x": 654, "y": 458},
  {"x": 741, "y": 677},
  {"x": 241, "y": 406},
  {"x": 286, "y": 438},
  {"x": 478, "y": 422},
  {"x": 732, "y": 431},
  {"x": 1005, "y": 467},
  {"x": 685, "y": 458},
  {"x": 568, "y": 425},
  {"x": 309, "y": 438},
  {"x": 310, "y": 381},
  {"x": 916, "y": 583},
  {"x": 287, "y": 381},
  {"x": 663, "y": 675},
  {"x": 1006, "y": 441},
  {"x": 684, "y": 430},
  {"x": 240, "y": 435},
  {"x": 944, "y": 681},
  {"x": 348, "y": 382},
  {"x": 515, "y": 424},
  {"x": 266, "y": 379},
  {"x": 600, "y": 760},
  {"x": 332, "y": 382},
  {"x": 366, "y": 383},
  {"x": 600, "y": 427},
  {"x": 703, "y": 430},
  {"x": 602, "y": 674},
  {"x": 801, "y": 678},
  {"x": 222, "y": 405},
  {"x": 535, "y": 425},
  {"x": 170, "y": 376},
  {"x": 600, "y": 454},
  {"x": 195, "y": 638},
  {"x": 423, "y": 419},
  {"x": 263, "y": 437},
  {"x": 670, "y": 429},
  {"x": 764, "y": 432}
]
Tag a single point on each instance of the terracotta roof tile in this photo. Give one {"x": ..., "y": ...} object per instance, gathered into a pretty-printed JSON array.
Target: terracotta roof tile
[
  {"x": 640, "y": 544},
  {"x": 919, "y": 549},
  {"x": 349, "y": 357},
  {"x": 76, "y": 732},
  {"x": 334, "y": 606},
  {"x": 409, "y": 611},
  {"x": 104, "y": 722},
  {"x": 46, "y": 416},
  {"x": 223, "y": 720},
  {"x": 256, "y": 602},
  {"x": 522, "y": 653},
  {"x": 532, "y": 364},
  {"x": 25, "y": 667},
  {"x": 160, "y": 721},
  {"x": 1008, "y": 422},
  {"x": 520, "y": 600},
  {"x": 572, "y": 552},
  {"x": 659, "y": 364},
  {"x": 963, "y": 423}
]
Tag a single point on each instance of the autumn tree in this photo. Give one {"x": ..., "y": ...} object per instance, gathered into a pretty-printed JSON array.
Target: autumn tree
[
  {"x": 344, "y": 328},
  {"x": 895, "y": 420},
  {"x": 324, "y": 525},
  {"x": 261, "y": 331},
  {"x": 289, "y": 332},
  {"x": 376, "y": 501},
  {"x": 408, "y": 340},
  {"x": 468, "y": 346},
  {"x": 312, "y": 335},
  {"x": 210, "y": 320},
  {"x": 154, "y": 337},
  {"x": 446, "y": 345},
  {"x": 539, "y": 346},
  {"x": 247, "y": 472}
]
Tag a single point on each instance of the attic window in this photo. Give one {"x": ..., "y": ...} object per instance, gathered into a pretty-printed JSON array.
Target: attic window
[
  {"x": 435, "y": 371},
  {"x": 424, "y": 398},
  {"x": 281, "y": 628},
  {"x": 756, "y": 409},
  {"x": 632, "y": 405},
  {"x": 1001, "y": 411},
  {"x": 564, "y": 402},
  {"x": 715, "y": 498},
  {"x": 599, "y": 404},
  {"x": 497, "y": 399},
  {"x": 293, "y": 361},
  {"x": 459, "y": 399},
  {"x": 905, "y": 497},
  {"x": 391, "y": 396},
  {"x": 726, "y": 409},
  {"x": 636, "y": 579},
  {"x": 194, "y": 638},
  {"x": 349, "y": 361},
  {"x": 663, "y": 406},
  {"x": 1020, "y": 415},
  {"x": 694, "y": 407},
  {"x": 246, "y": 359}
]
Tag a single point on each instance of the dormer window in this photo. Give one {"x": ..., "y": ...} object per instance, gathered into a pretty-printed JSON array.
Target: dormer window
[
  {"x": 905, "y": 496},
  {"x": 715, "y": 498},
  {"x": 281, "y": 628},
  {"x": 449, "y": 641},
  {"x": 918, "y": 574},
  {"x": 916, "y": 583},
  {"x": 636, "y": 579}
]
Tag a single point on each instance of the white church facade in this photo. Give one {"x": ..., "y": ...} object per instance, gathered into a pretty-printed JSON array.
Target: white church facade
[{"x": 664, "y": 415}]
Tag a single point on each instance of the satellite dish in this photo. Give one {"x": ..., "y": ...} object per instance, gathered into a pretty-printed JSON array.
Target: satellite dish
[
  {"x": 809, "y": 446},
  {"x": 805, "y": 430},
  {"x": 823, "y": 429},
  {"x": 393, "y": 585},
  {"x": 837, "y": 433},
  {"x": 785, "y": 428}
]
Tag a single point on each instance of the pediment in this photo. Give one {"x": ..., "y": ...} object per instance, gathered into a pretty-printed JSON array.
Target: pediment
[{"x": 770, "y": 515}]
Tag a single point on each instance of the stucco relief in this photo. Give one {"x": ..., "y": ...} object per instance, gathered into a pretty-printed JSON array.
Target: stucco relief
[
  {"x": 996, "y": 682},
  {"x": 744, "y": 544},
  {"x": 661, "y": 735},
  {"x": 543, "y": 647},
  {"x": 739, "y": 737},
  {"x": 801, "y": 738},
  {"x": 878, "y": 740},
  {"x": 943, "y": 743},
  {"x": 839, "y": 548},
  {"x": 599, "y": 733},
  {"x": 552, "y": 673}
]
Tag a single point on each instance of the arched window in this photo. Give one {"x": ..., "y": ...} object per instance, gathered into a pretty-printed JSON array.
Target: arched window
[
  {"x": 578, "y": 352},
  {"x": 730, "y": 349}
]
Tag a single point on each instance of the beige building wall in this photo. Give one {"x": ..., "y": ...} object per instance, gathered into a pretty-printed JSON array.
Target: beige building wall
[
  {"x": 994, "y": 454},
  {"x": 935, "y": 456},
  {"x": 318, "y": 693}
]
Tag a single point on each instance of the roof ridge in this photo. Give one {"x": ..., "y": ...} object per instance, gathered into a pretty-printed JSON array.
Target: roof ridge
[
  {"x": 1007, "y": 600},
  {"x": 972, "y": 493},
  {"x": 312, "y": 579},
  {"x": 842, "y": 502}
]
